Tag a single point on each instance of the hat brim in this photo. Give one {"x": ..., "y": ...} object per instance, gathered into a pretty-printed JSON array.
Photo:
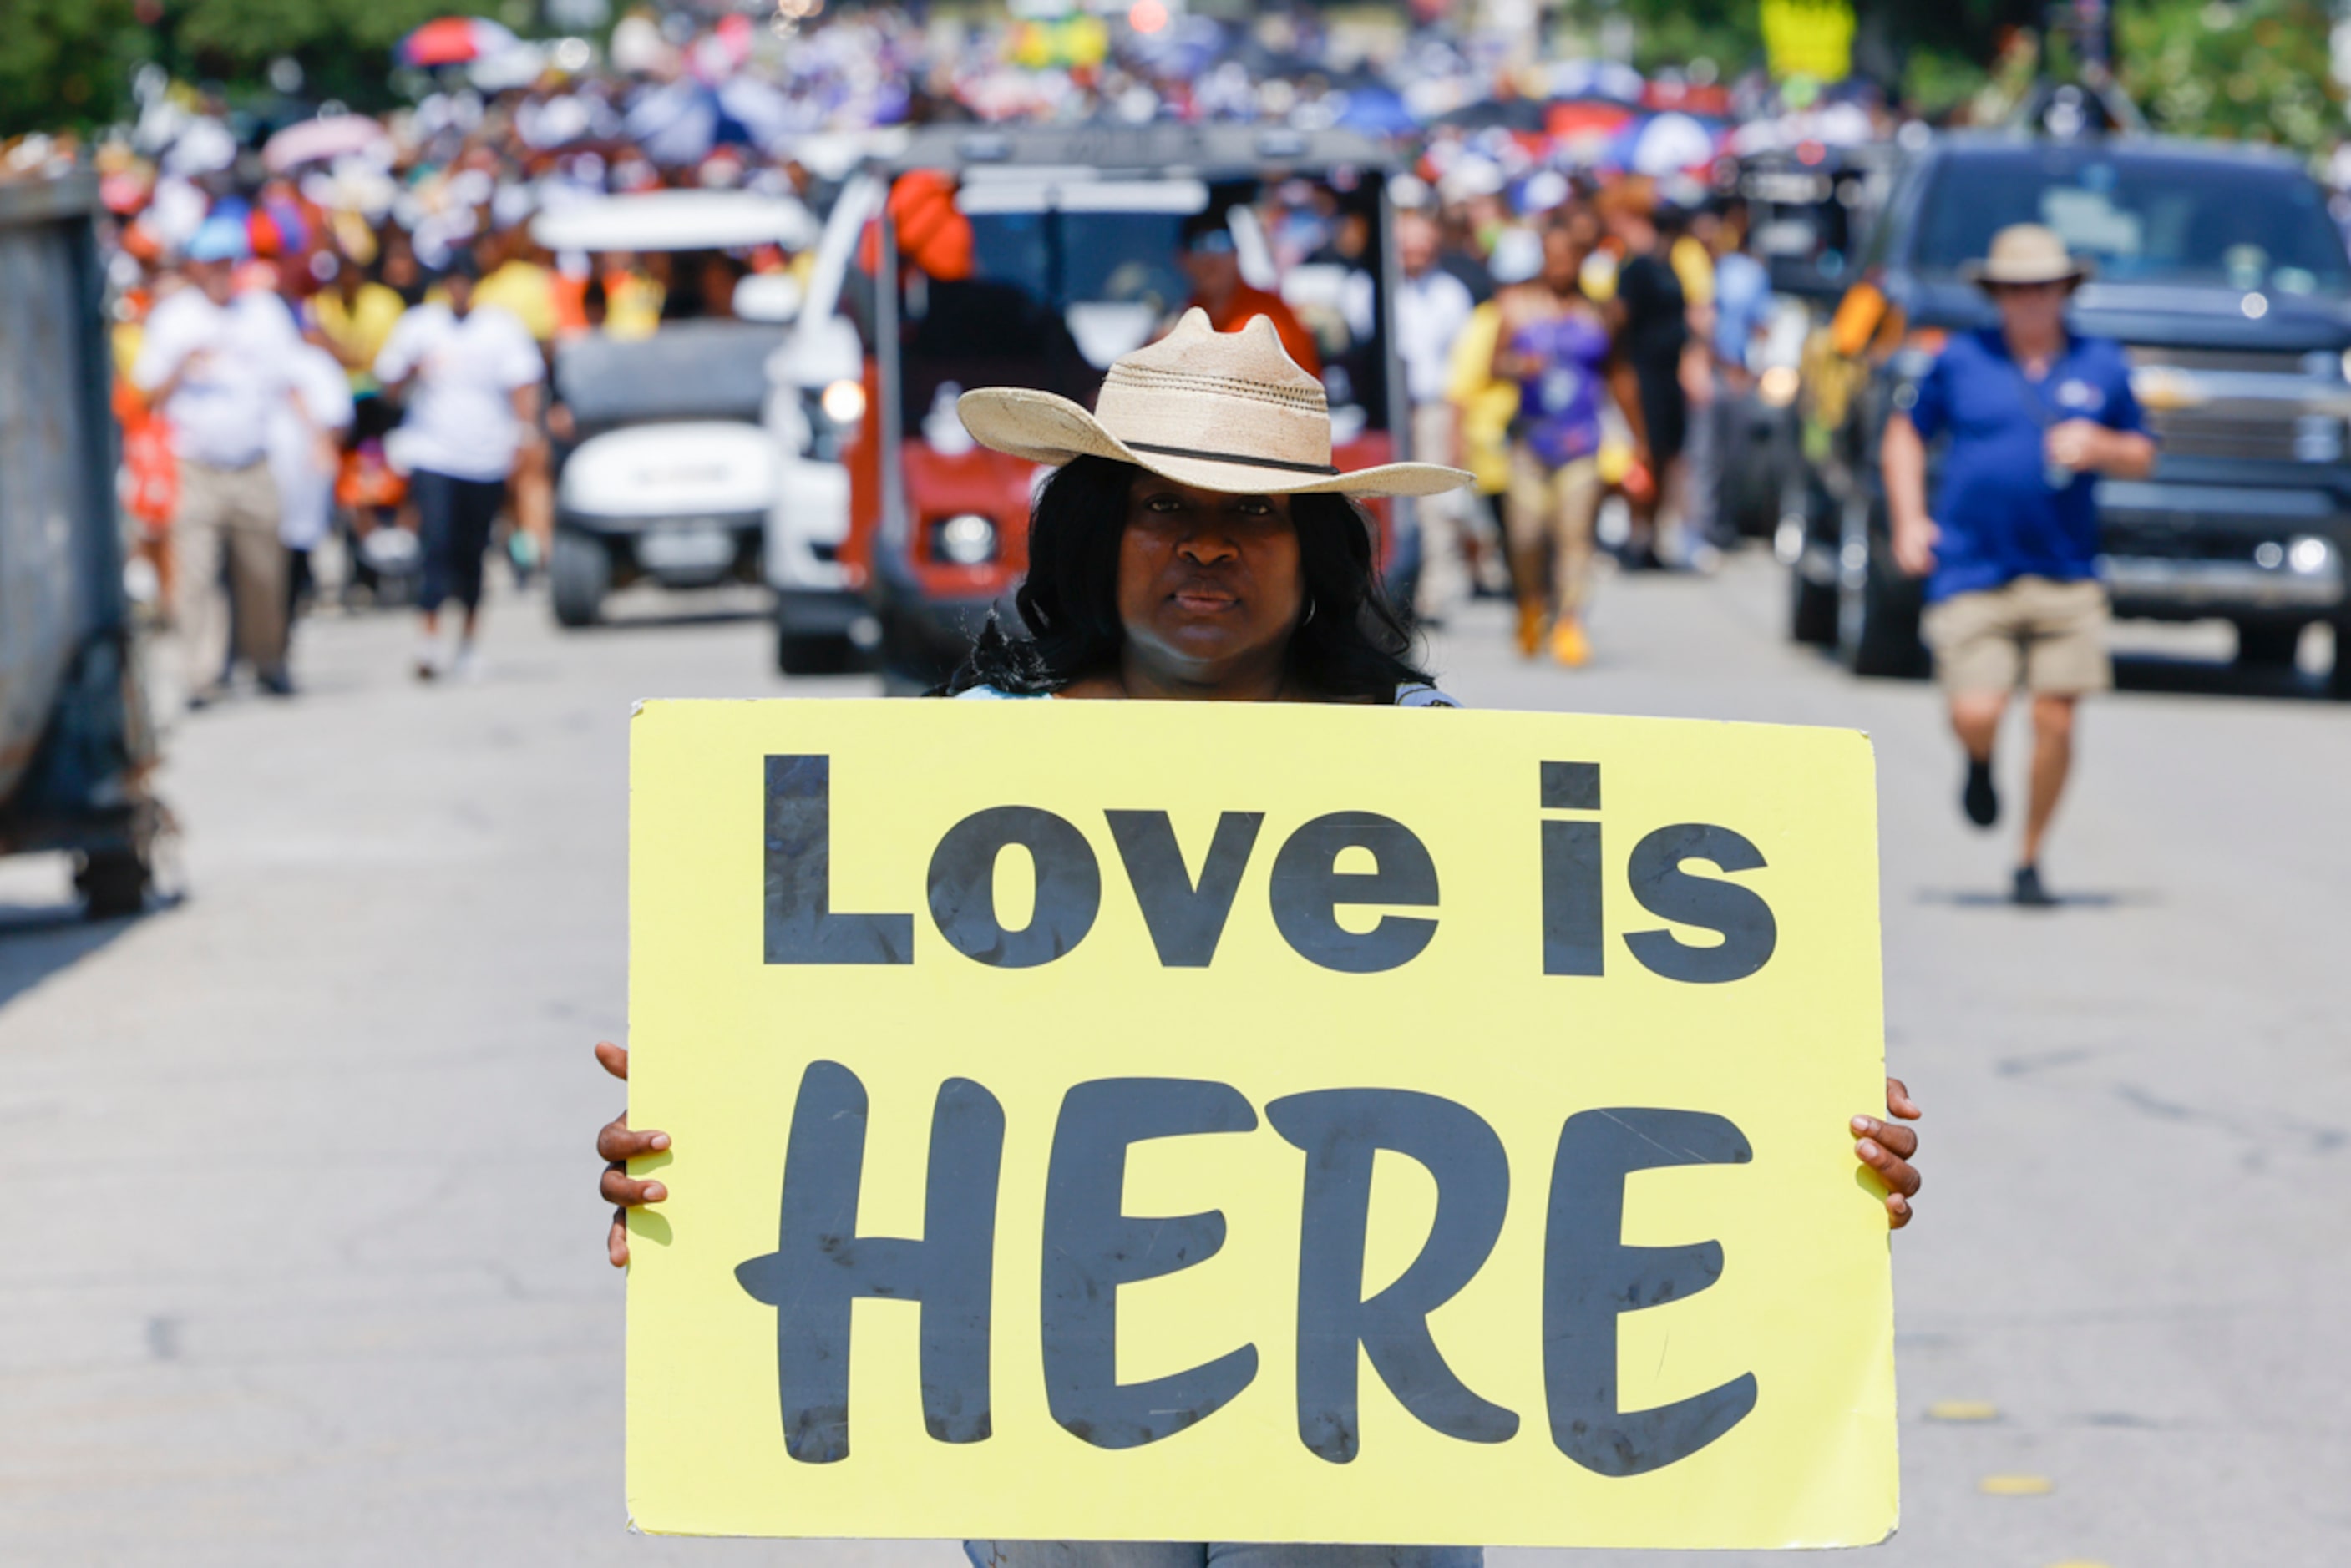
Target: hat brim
[
  {"x": 1050, "y": 430},
  {"x": 1983, "y": 274}
]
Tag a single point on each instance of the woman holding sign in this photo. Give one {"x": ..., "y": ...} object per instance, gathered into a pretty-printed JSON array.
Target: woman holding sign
[{"x": 1236, "y": 570}]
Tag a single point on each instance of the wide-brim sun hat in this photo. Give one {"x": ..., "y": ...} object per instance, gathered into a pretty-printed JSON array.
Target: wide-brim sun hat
[
  {"x": 1228, "y": 411},
  {"x": 2026, "y": 253}
]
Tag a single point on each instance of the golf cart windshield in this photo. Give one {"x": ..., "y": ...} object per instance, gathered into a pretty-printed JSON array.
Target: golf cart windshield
[
  {"x": 2144, "y": 217},
  {"x": 688, "y": 370},
  {"x": 1068, "y": 275}
]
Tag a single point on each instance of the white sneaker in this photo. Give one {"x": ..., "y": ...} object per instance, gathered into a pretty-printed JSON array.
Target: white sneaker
[
  {"x": 428, "y": 659},
  {"x": 468, "y": 665}
]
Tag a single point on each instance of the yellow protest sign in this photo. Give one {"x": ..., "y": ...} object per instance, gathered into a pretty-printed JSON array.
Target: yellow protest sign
[{"x": 1255, "y": 1122}]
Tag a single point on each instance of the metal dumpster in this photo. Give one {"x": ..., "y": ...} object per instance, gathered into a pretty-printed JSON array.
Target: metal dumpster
[{"x": 76, "y": 746}]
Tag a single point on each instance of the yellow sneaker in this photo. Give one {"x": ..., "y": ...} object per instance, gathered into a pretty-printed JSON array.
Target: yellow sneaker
[
  {"x": 1568, "y": 644},
  {"x": 1530, "y": 634}
]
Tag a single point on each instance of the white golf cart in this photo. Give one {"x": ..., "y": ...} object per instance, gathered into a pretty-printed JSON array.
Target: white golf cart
[{"x": 666, "y": 473}]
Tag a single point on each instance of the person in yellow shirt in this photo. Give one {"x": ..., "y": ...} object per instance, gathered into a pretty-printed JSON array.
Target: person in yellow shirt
[
  {"x": 356, "y": 314},
  {"x": 1483, "y": 409},
  {"x": 633, "y": 301},
  {"x": 515, "y": 280}
]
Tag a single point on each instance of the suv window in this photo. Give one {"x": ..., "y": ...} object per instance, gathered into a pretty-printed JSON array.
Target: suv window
[{"x": 2144, "y": 217}]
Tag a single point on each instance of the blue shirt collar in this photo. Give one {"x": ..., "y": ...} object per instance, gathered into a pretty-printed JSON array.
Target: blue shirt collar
[{"x": 1995, "y": 343}]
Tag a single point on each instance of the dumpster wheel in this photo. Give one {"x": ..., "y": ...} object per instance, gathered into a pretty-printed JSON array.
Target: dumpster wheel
[{"x": 113, "y": 883}]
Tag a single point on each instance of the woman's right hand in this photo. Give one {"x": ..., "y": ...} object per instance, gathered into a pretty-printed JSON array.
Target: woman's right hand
[{"x": 616, "y": 1146}]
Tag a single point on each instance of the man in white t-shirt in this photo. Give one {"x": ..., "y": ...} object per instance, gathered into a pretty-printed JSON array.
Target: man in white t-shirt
[
  {"x": 218, "y": 364},
  {"x": 1431, "y": 309},
  {"x": 472, "y": 382}
]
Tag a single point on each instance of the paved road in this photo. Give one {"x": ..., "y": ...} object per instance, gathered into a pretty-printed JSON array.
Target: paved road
[{"x": 302, "y": 1266}]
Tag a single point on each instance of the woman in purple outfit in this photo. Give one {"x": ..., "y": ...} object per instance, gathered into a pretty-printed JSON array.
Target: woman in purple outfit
[{"x": 1555, "y": 346}]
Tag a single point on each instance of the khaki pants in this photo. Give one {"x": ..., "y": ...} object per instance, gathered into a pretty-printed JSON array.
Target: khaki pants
[
  {"x": 2049, "y": 636},
  {"x": 231, "y": 513},
  {"x": 1553, "y": 508}
]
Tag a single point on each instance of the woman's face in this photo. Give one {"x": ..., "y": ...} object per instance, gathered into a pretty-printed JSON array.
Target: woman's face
[{"x": 1208, "y": 584}]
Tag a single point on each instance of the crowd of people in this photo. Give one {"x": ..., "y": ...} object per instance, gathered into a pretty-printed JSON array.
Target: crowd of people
[
  {"x": 322, "y": 317},
  {"x": 1562, "y": 356}
]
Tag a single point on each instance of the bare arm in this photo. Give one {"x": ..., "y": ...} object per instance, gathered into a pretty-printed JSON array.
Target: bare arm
[
  {"x": 2086, "y": 445},
  {"x": 1902, "y": 457}
]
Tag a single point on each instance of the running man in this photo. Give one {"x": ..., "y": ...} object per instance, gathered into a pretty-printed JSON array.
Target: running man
[{"x": 2034, "y": 411}]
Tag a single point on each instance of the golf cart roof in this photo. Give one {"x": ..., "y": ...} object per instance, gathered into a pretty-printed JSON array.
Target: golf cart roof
[
  {"x": 677, "y": 221},
  {"x": 1210, "y": 151}
]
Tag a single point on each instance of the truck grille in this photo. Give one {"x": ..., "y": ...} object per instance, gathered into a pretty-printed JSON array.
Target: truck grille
[
  {"x": 2193, "y": 433},
  {"x": 2267, "y": 363}
]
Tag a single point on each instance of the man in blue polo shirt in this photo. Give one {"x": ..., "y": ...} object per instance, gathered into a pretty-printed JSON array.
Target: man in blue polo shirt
[{"x": 2033, "y": 412}]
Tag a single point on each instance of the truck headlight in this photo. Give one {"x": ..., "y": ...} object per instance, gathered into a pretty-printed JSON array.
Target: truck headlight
[
  {"x": 844, "y": 401},
  {"x": 968, "y": 539},
  {"x": 2318, "y": 438},
  {"x": 2308, "y": 555}
]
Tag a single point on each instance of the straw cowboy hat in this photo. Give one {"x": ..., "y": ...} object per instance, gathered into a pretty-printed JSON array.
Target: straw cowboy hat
[
  {"x": 2026, "y": 252},
  {"x": 1222, "y": 411}
]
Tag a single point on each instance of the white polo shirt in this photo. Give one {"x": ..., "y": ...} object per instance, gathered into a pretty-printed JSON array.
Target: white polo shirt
[
  {"x": 1431, "y": 311},
  {"x": 238, "y": 360}
]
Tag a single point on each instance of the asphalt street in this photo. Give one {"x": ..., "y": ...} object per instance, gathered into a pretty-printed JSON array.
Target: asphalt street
[{"x": 303, "y": 1265}]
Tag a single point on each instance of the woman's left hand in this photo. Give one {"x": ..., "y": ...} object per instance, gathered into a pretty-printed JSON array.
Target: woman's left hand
[{"x": 1887, "y": 1150}]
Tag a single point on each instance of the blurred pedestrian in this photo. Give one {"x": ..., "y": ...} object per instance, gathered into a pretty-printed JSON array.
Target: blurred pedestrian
[
  {"x": 1651, "y": 314},
  {"x": 516, "y": 277},
  {"x": 472, "y": 411},
  {"x": 217, "y": 364},
  {"x": 355, "y": 315},
  {"x": 1688, "y": 237},
  {"x": 1211, "y": 259},
  {"x": 1554, "y": 344},
  {"x": 305, "y": 451},
  {"x": 1484, "y": 406},
  {"x": 2033, "y": 412},
  {"x": 1432, "y": 308}
]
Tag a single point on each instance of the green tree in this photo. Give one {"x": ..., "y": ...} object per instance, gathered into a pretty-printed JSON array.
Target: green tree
[
  {"x": 2258, "y": 70},
  {"x": 344, "y": 47},
  {"x": 67, "y": 63},
  {"x": 63, "y": 63}
]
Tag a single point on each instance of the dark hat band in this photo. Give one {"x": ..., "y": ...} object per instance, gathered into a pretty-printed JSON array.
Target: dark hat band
[{"x": 1232, "y": 457}]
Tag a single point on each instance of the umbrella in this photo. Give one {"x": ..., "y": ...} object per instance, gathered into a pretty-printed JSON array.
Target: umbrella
[
  {"x": 322, "y": 141},
  {"x": 1668, "y": 143},
  {"x": 680, "y": 123},
  {"x": 455, "y": 41},
  {"x": 1503, "y": 113},
  {"x": 1578, "y": 118},
  {"x": 1377, "y": 111},
  {"x": 1595, "y": 79}
]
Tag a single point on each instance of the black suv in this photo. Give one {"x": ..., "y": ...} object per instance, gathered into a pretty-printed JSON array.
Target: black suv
[{"x": 2223, "y": 272}]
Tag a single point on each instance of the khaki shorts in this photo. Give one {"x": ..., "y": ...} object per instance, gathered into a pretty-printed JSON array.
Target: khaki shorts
[{"x": 2049, "y": 636}]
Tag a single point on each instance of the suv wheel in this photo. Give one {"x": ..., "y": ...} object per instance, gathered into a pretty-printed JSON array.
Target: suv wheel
[
  {"x": 1810, "y": 563},
  {"x": 112, "y": 883},
  {"x": 1878, "y": 607},
  {"x": 806, "y": 653},
  {"x": 2267, "y": 642},
  {"x": 579, "y": 574}
]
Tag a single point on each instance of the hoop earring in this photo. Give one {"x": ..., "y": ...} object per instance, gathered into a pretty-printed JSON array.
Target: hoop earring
[{"x": 1310, "y": 607}]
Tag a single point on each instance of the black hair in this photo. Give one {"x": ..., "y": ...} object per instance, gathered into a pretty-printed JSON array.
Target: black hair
[{"x": 1351, "y": 646}]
